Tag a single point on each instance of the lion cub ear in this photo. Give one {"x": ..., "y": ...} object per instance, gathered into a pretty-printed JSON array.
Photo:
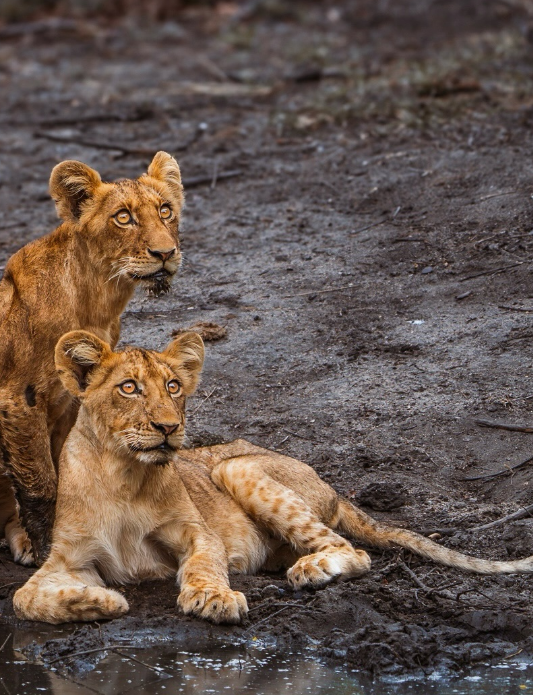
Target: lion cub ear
[
  {"x": 77, "y": 354},
  {"x": 188, "y": 351},
  {"x": 165, "y": 168},
  {"x": 71, "y": 184}
]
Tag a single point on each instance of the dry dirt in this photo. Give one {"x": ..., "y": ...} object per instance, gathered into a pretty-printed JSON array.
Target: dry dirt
[{"x": 370, "y": 257}]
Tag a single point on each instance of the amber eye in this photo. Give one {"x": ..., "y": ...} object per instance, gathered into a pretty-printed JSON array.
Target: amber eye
[
  {"x": 165, "y": 212},
  {"x": 174, "y": 387},
  {"x": 123, "y": 217},
  {"x": 128, "y": 387}
]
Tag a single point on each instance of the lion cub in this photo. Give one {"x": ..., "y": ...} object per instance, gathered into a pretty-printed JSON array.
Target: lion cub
[
  {"x": 113, "y": 237},
  {"x": 132, "y": 505}
]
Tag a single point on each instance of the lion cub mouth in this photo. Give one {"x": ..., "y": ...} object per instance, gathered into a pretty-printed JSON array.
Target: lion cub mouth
[{"x": 157, "y": 283}]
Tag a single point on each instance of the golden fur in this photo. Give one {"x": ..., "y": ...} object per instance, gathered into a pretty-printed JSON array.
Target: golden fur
[
  {"x": 80, "y": 276},
  {"x": 132, "y": 505}
]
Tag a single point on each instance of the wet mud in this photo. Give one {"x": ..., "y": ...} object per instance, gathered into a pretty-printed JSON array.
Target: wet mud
[{"x": 359, "y": 220}]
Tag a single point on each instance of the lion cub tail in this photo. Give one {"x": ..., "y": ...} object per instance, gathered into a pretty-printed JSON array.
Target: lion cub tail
[{"x": 358, "y": 525}]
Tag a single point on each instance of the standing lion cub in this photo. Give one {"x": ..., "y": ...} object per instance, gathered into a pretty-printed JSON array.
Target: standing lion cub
[
  {"x": 131, "y": 505},
  {"x": 81, "y": 276}
]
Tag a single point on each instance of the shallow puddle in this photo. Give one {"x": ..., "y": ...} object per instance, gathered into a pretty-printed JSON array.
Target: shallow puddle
[{"x": 257, "y": 669}]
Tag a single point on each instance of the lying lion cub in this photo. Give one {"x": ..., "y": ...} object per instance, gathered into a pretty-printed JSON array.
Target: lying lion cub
[
  {"x": 113, "y": 237},
  {"x": 131, "y": 505}
]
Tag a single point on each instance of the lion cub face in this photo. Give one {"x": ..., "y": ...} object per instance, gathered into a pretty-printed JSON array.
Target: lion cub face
[
  {"x": 135, "y": 398},
  {"x": 131, "y": 225}
]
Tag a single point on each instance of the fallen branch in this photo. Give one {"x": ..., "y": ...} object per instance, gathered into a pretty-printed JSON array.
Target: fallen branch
[
  {"x": 492, "y": 272},
  {"x": 509, "y": 469},
  {"x": 504, "y": 426},
  {"x": 201, "y": 180},
  {"x": 515, "y": 308},
  {"x": 157, "y": 669},
  {"x": 110, "y": 647},
  {"x": 115, "y": 146},
  {"x": 6, "y": 641},
  {"x": 330, "y": 289},
  {"x": 370, "y": 226}
]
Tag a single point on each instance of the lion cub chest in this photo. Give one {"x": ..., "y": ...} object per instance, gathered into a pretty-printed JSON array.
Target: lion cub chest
[{"x": 126, "y": 545}]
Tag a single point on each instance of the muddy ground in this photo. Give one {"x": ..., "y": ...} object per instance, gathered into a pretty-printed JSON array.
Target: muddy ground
[{"x": 359, "y": 217}]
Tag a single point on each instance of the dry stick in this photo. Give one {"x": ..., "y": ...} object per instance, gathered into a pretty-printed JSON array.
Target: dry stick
[
  {"x": 141, "y": 151},
  {"x": 370, "y": 226},
  {"x": 492, "y": 272},
  {"x": 157, "y": 669},
  {"x": 331, "y": 289},
  {"x": 504, "y": 426},
  {"x": 523, "y": 513},
  {"x": 109, "y": 647},
  {"x": 201, "y": 180},
  {"x": 515, "y": 308},
  {"x": 509, "y": 469},
  {"x": 5, "y": 641},
  {"x": 498, "y": 195}
]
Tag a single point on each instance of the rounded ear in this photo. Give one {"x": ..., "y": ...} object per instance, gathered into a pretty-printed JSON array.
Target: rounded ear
[
  {"x": 71, "y": 184},
  {"x": 188, "y": 351},
  {"x": 77, "y": 354},
  {"x": 165, "y": 168}
]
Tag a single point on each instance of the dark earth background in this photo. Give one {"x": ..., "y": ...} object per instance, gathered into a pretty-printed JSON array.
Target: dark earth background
[{"x": 359, "y": 216}]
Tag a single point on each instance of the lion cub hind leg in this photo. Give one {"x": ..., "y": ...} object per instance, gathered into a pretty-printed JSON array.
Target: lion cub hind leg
[
  {"x": 62, "y": 597},
  {"x": 326, "y": 555}
]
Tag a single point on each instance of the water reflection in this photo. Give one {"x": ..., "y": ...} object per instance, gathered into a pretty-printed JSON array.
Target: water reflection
[{"x": 166, "y": 670}]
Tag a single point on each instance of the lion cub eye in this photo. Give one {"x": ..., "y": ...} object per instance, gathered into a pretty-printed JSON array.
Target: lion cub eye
[
  {"x": 123, "y": 217},
  {"x": 165, "y": 212},
  {"x": 128, "y": 388},
  {"x": 174, "y": 387}
]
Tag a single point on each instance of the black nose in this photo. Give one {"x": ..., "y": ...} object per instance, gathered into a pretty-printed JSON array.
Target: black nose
[
  {"x": 162, "y": 255},
  {"x": 164, "y": 427}
]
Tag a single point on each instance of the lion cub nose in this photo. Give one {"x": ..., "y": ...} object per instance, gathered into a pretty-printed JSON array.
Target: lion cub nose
[
  {"x": 165, "y": 428},
  {"x": 162, "y": 255}
]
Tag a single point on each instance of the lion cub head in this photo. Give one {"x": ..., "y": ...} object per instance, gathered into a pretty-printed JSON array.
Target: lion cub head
[
  {"x": 135, "y": 398},
  {"x": 130, "y": 225}
]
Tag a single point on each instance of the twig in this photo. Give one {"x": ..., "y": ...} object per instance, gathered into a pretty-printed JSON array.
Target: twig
[
  {"x": 418, "y": 581},
  {"x": 215, "y": 176},
  {"x": 95, "y": 144},
  {"x": 268, "y": 604},
  {"x": 492, "y": 272},
  {"x": 300, "y": 436},
  {"x": 515, "y": 308},
  {"x": 273, "y": 615},
  {"x": 157, "y": 669},
  {"x": 201, "y": 180},
  {"x": 498, "y": 195},
  {"x": 370, "y": 226},
  {"x": 509, "y": 469},
  {"x": 109, "y": 647},
  {"x": 5, "y": 641},
  {"x": 523, "y": 513},
  {"x": 330, "y": 289},
  {"x": 520, "y": 514},
  {"x": 141, "y": 151},
  {"x": 504, "y": 426}
]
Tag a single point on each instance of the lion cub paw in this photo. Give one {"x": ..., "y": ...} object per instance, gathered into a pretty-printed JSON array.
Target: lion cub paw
[
  {"x": 218, "y": 604},
  {"x": 20, "y": 546},
  {"x": 321, "y": 568},
  {"x": 68, "y": 604}
]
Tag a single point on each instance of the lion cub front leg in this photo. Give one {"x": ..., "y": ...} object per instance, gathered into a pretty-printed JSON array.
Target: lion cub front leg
[
  {"x": 203, "y": 575},
  {"x": 57, "y": 593},
  {"x": 326, "y": 555}
]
